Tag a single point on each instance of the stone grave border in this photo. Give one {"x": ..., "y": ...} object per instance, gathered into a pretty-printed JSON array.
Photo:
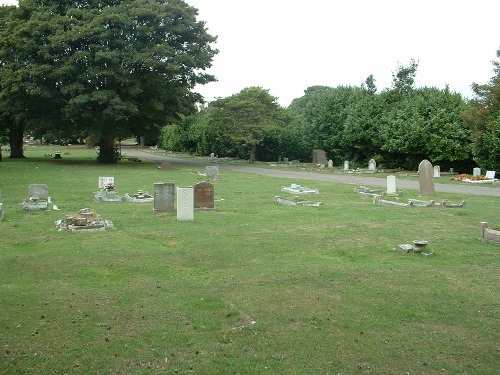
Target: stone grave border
[{"x": 487, "y": 234}]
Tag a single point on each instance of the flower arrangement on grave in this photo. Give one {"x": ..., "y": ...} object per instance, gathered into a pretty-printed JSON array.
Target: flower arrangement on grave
[{"x": 109, "y": 186}]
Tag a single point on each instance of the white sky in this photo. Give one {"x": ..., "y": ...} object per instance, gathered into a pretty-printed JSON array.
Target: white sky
[{"x": 287, "y": 46}]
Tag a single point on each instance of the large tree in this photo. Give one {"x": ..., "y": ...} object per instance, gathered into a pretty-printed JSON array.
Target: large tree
[{"x": 120, "y": 68}]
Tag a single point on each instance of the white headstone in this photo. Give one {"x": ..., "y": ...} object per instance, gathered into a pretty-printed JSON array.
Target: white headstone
[
  {"x": 346, "y": 165},
  {"x": 104, "y": 180},
  {"x": 437, "y": 171},
  {"x": 330, "y": 163},
  {"x": 372, "y": 165},
  {"x": 490, "y": 174},
  {"x": 476, "y": 172},
  {"x": 185, "y": 204},
  {"x": 391, "y": 184}
]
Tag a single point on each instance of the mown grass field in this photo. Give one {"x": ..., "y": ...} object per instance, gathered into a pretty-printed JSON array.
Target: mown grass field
[{"x": 248, "y": 289}]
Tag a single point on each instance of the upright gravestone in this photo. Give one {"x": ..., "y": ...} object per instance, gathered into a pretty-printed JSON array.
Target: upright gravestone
[
  {"x": 330, "y": 164},
  {"x": 163, "y": 202},
  {"x": 185, "y": 200},
  {"x": 476, "y": 172},
  {"x": 426, "y": 174},
  {"x": 1, "y": 206},
  {"x": 38, "y": 191},
  {"x": 319, "y": 157},
  {"x": 437, "y": 171},
  {"x": 212, "y": 171},
  {"x": 372, "y": 165},
  {"x": 106, "y": 181},
  {"x": 204, "y": 196},
  {"x": 391, "y": 184},
  {"x": 346, "y": 165}
]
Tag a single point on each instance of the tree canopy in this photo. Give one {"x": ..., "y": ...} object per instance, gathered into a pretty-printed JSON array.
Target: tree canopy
[{"x": 109, "y": 69}]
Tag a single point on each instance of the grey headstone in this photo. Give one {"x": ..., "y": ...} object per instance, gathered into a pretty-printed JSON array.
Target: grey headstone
[
  {"x": 319, "y": 157},
  {"x": 163, "y": 197},
  {"x": 437, "y": 171},
  {"x": 346, "y": 165},
  {"x": 38, "y": 190},
  {"x": 104, "y": 180},
  {"x": 185, "y": 200},
  {"x": 204, "y": 196},
  {"x": 212, "y": 171},
  {"x": 476, "y": 172},
  {"x": 426, "y": 175},
  {"x": 330, "y": 163}
]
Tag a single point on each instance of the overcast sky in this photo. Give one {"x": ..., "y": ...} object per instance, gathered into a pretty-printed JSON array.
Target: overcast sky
[{"x": 287, "y": 46}]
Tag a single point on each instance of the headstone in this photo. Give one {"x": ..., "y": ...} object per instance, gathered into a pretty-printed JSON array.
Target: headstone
[
  {"x": 212, "y": 171},
  {"x": 57, "y": 155},
  {"x": 476, "y": 172},
  {"x": 163, "y": 202},
  {"x": 105, "y": 180},
  {"x": 285, "y": 160},
  {"x": 437, "y": 171},
  {"x": 40, "y": 191},
  {"x": 346, "y": 165},
  {"x": 212, "y": 156},
  {"x": 426, "y": 182},
  {"x": 204, "y": 196},
  {"x": 330, "y": 164},
  {"x": 164, "y": 165},
  {"x": 372, "y": 165},
  {"x": 319, "y": 157},
  {"x": 185, "y": 200},
  {"x": 490, "y": 174},
  {"x": 391, "y": 184},
  {"x": 1, "y": 206}
]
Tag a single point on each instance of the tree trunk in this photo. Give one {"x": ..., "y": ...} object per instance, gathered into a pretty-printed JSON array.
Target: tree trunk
[
  {"x": 16, "y": 139},
  {"x": 107, "y": 150},
  {"x": 252, "y": 152}
]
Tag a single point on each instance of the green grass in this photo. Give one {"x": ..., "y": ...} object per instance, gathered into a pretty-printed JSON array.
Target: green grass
[{"x": 250, "y": 288}]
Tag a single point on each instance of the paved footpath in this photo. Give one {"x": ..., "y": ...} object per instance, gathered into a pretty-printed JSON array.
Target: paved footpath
[{"x": 493, "y": 190}]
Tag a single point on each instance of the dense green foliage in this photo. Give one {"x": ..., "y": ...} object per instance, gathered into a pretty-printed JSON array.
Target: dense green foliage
[
  {"x": 109, "y": 69},
  {"x": 483, "y": 118}
]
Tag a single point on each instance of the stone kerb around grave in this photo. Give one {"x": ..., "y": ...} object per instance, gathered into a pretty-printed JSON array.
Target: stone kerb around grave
[{"x": 488, "y": 234}]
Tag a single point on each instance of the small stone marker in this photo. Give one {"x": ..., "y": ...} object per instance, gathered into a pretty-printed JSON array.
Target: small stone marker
[
  {"x": 391, "y": 184},
  {"x": 163, "y": 202},
  {"x": 330, "y": 164},
  {"x": 185, "y": 201},
  {"x": 476, "y": 172},
  {"x": 372, "y": 165},
  {"x": 204, "y": 196},
  {"x": 437, "y": 171},
  {"x": 426, "y": 182},
  {"x": 346, "y": 165}
]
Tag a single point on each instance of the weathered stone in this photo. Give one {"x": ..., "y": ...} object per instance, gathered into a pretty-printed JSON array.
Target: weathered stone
[{"x": 426, "y": 175}]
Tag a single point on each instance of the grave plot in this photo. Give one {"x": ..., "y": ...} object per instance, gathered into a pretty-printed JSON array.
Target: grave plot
[
  {"x": 106, "y": 192},
  {"x": 140, "y": 197},
  {"x": 84, "y": 221},
  {"x": 296, "y": 201},
  {"x": 488, "y": 234},
  {"x": 297, "y": 189},
  {"x": 38, "y": 200}
]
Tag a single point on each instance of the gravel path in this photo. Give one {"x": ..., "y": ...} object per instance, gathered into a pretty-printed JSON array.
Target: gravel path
[{"x": 491, "y": 190}]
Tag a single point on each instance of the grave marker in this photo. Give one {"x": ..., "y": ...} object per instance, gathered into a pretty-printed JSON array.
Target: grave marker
[
  {"x": 204, "y": 196},
  {"x": 212, "y": 171},
  {"x": 40, "y": 191},
  {"x": 105, "y": 180},
  {"x": 163, "y": 198},
  {"x": 319, "y": 157},
  {"x": 476, "y": 172},
  {"x": 437, "y": 171},
  {"x": 372, "y": 165},
  {"x": 391, "y": 184},
  {"x": 185, "y": 201},
  {"x": 426, "y": 182},
  {"x": 346, "y": 165}
]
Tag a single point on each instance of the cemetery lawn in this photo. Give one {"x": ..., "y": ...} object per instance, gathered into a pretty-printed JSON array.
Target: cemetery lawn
[{"x": 250, "y": 288}]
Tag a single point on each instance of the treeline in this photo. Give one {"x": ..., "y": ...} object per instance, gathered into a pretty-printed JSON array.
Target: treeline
[{"x": 398, "y": 127}]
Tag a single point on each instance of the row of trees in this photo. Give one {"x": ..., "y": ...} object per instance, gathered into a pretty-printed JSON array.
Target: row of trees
[
  {"x": 110, "y": 69},
  {"x": 398, "y": 127},
  {"x": 103, "y": 69}
]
